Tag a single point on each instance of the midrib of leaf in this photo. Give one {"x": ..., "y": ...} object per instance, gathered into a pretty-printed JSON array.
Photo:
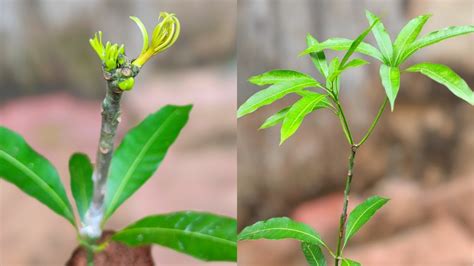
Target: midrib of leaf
[
  {"x": 312, "y": 103},
  {"x": 135, "y": 163},
  {"x": 286, "y": 229},
  {"x": 349, "y": 232},
  {"x": 36, "y": 179},
  {"x": 182, "y": 232},
  {"x": 312, "y": 255},
  {"x": 401, "y": 51}
]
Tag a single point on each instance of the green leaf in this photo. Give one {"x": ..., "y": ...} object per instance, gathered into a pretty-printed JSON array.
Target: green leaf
[
  {"x": 318, "y": 58},
  {"x": 357, "y": 42},
  {"x": 313, "y": 254},
  {"x": 348, "y": 262},
  {"x": 141, "y": 152},
  {"x": 355, "y": 63},
  {"x": 407, "y": 36},
  {"x": 390, "y": 77},
  {"x": 275, "y": 119},
  {"x": 204, "y": 236},
  {"x": 295, "y": 115},
  {"x": 143, "y": 31},
  {"x": 444, "y": 75},
  {"x": 341, "y": 44},
  {"x": 381, "y": 36},
  {"x": 281, "y": 228},
  {"x": 278, "y": 76},
  {"x": 32, "y": 173},
  {"x": 362, "y": 214},
  {"x": 273, "y": 93},
  {"x": 435, "y": 37},
  {"x": 80, "y": 169}
]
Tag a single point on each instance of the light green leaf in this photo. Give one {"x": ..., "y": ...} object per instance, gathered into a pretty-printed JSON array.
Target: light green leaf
[
  {"x": 348, "y": 262},
  {"x": 446, "y": 76},
  {"x": 204, "y": 236},
  {"x": 435, "y": 37},
  {"x": 141, "y": 152},
  {"x": 143, "y": 32},
  {"x": 281, "y": 228},
  {"x": 355, "y": 63},
  {"x": 273, "y": 93},
  {"x": 295, "y": 115},
  {"x": 341, "y": 44},
  {"x": 32, "y": 173},
  {"x": 80, "y": 169},
  {"x": 357, "y": 42},
  {"x": 407, "y": 36},
  {"x": 333, "y": 72},
  {"x": 362, "y": 214},
  {"x": 318, "y": 58},
  {"x": 313, "y": 254},
  {"x": 381, "y": 36},
  {"x": 390, "y": 77},
  {"x": 278, "y": 76},
  {"x": 275, "y": 119}
]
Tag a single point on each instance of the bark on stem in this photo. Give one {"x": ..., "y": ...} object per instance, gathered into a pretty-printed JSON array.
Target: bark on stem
[
  {"x": 110, "y": 120},
  {"x": 347, "y": 190}
]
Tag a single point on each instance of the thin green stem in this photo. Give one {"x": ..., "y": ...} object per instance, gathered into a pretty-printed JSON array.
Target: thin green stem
[
  {"x": 90, "y": 256},
  {"x": 345, "y": 125},
  {"x": 343, "y": 218},
  {"x": 374, "y": 123}
]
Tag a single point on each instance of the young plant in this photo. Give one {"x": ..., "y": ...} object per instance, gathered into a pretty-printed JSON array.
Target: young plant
[
  {"x": 316, "y": 95},
  {"x": 117, "y": 174}
]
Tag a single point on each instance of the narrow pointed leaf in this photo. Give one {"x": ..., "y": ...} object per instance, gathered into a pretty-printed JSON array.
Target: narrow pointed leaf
[
  {"x": 390, "y": 77},
  {"x": 32, "y": 173},
  {"x": 446, "y": 76},
  {"x": 318, "y": 58},
  {"x": 80, "y": 170},
  {"x": 143, "y": 32},
  {"x": 281, "y": 228},
  {"x": 341, "y": 44},
  {"x": 357, "y": 42},
  {"x": 141, "y": 152},
  {"x": 381, "y": 36},
  {"x": 334, "y": 71},
  {"x": 298, "y": 111},
  {"x": 362, "y": 214},
  {"x": 355, "y": 63},
  {"x": 204, "y": 236},
  {"x": 435, "y": 37},
  {"x": 275, "y": 119},
  {"x": 407, "y": 36},
  {"x": 348, "y": 262},
  {"x": 313, "y": 254},
  {"x": 277, "y": 76},
  {"x": 273, "y": 93}
]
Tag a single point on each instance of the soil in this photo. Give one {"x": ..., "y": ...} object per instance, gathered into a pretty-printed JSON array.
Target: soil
[{"x": 114, "y": 254}]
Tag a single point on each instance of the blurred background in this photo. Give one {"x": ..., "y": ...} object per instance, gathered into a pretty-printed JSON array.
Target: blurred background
[
  {"x": 421, "y": 155},
  {"x": 51, "y": 90}
]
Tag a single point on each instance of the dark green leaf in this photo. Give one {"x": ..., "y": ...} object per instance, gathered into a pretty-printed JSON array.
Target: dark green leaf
[
  {"x": 32, "y": 173},
  {"x": 318, "y": 58},
  {"x": 313, "y": 254},
  {"x": 407, "y": 36},
  {"x": 281, "y": 228},
  {"x": 435, "y": 37},
  {"x": 205, "y": 236},
  {"x": 275, "y": 119},
  {"x": 278, "y": 76},
  {"x": 273, "y": 93},
  {"x": 141, "y": 152},
  {"x": 341, "y": 44},
  {"x": 362, "y": 214},
  {"x": 80, "y": 169},
  {"x": 356, "y": 43},
  {"x": 348, "y": 262},
  {"x": 390, "y": 77},
  {"x": 444, "y": 75},
  {"x": 298, "y": 111},
  {"x": 381, "y": 36}
]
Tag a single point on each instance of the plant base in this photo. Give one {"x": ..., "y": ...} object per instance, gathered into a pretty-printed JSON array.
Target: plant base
[{"x": 114, "y": 254}]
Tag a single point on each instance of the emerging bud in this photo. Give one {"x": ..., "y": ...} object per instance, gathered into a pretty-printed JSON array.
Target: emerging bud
[
  {"x": 164, "y": 36},
  {"x": 112, "y": 55}
]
